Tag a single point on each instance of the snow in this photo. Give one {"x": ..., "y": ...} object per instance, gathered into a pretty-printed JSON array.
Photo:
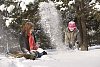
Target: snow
[
  {"x": 63, "y": 9},
  {"x": 71, "y": 2},
  {"x": 2, "y": 7},
  {"x": 8, "y": 21},
  {"x": 24, "y": 3},
  {"x": 29, "y": 1},
  {"x": 40, "y": 50},
  {"x": 91, "y": 32},
  {"x": 58, "y": 3},
  {"x": 23, "y": 6},
  {"x": 64, "y": 58},
  {"x": 51, "y": 23},
  {"x": 10, "y": 8},
  {"x": 92, "y": 1},
  {"x": 97, "y": 6}
]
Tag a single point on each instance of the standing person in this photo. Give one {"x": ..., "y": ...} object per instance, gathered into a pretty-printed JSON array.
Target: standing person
[
  {"x": 28, "y": 41},
  {"x": 72, "y": 37}
]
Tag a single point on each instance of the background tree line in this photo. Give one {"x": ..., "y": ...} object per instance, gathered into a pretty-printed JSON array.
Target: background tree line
[{"x": 87, "y": 19}]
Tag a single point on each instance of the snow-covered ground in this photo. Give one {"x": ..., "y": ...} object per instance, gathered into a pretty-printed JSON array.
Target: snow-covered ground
[{"x": 68, "y": 58}]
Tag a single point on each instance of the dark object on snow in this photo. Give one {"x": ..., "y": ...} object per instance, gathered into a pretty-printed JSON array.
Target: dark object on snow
[
  {"x": 33, "y": 55},
  {"x": 27, "y": 56},
  {"x": 44, "y": 53},
  {"x": 39, "y": 55},
  {"x": 18, "y": 54}
]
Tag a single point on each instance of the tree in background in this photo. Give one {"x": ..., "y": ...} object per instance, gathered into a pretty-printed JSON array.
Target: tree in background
[
  {"x": 17, "y": 13},
  {"x": 84, "y": 13}
]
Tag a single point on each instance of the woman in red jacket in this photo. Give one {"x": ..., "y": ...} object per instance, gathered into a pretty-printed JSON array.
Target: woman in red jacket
[{"x": 28, "y": 41}]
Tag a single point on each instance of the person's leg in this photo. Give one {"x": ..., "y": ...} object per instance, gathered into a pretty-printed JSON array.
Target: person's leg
[{"x": 38, "y": 55}]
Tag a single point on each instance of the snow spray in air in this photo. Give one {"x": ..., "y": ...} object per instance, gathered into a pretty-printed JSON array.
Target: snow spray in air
[{"x": 50, "y": 22}]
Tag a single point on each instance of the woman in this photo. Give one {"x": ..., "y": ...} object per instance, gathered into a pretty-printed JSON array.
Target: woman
[
  {"x": 28, "y": 41},
  {"x": 72, "y": 37}
]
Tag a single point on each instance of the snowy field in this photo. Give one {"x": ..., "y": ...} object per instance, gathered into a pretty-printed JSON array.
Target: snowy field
[{"x": 68, "y": 58}]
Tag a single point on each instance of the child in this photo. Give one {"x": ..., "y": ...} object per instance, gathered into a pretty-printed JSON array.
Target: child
[
  {"x": 28, "y": 42},
  {"x": 72, "y": 35}
]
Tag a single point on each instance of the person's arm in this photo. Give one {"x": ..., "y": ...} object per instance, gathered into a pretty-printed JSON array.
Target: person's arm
[
  {"x": 66, "y": 37},
  {"x": 23, "y": 44}
]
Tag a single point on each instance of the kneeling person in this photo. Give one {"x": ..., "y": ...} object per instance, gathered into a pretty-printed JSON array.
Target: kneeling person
[{"x": 72, "y": 35}]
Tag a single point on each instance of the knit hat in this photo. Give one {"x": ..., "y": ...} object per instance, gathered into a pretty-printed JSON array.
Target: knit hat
[{"x": 71, "y": 26}]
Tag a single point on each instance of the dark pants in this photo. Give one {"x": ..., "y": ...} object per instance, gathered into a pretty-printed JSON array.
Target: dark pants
[{"x": 39, "y": 55}]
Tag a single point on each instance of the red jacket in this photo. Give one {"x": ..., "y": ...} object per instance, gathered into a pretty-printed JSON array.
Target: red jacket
[{"x": 32, "y": 43}]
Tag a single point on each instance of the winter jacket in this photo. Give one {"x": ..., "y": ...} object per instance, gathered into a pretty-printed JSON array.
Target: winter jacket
[
  {"x": 24, "y": 42},
  {"x": 71, "y": 37}
]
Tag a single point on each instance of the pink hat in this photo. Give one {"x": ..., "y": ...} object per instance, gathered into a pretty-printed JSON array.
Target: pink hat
[{"x": 71, "y": 25}]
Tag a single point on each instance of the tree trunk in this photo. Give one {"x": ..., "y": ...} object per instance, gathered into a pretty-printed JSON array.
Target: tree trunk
[
  {"x": 82, "y": 27},
  {"x": 84, "y": 45},
  {"x": 83, "y": 34}
]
